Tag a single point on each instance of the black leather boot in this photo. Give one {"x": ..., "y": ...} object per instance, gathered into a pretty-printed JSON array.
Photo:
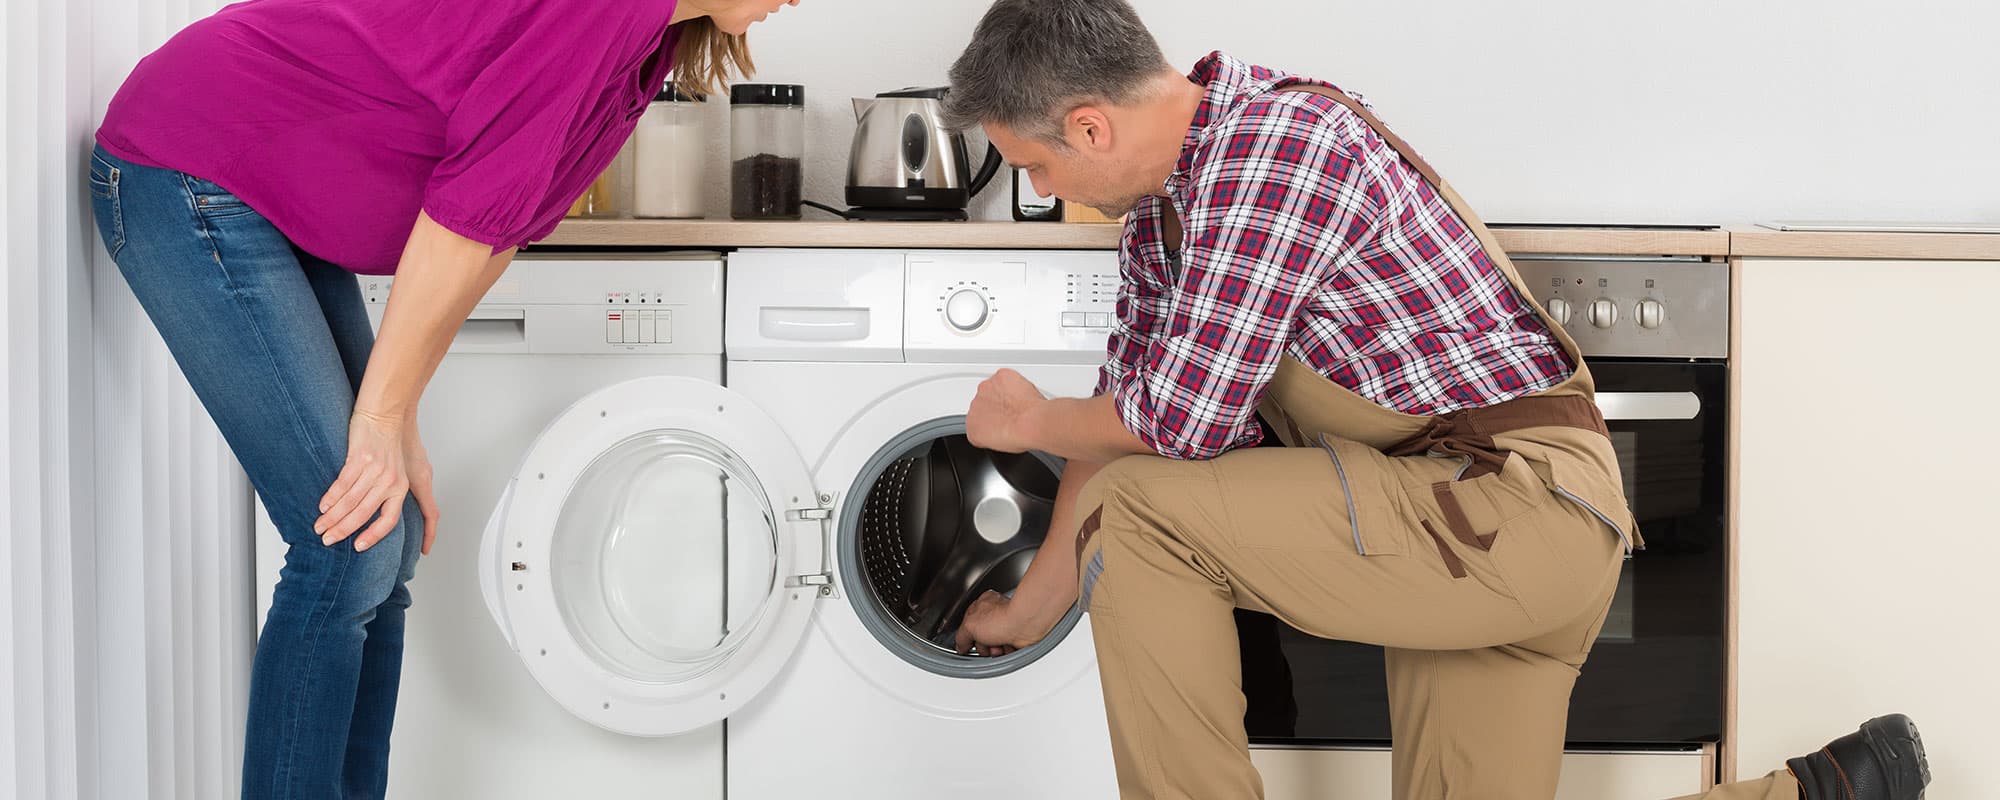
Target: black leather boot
[{"x": 1882, "y": 761}]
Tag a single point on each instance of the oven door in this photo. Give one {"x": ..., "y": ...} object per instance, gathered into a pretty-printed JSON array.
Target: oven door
[{"x": 1655, "y": 676}]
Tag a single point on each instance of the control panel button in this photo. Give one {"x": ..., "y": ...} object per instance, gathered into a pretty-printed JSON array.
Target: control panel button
[
  {"x": 1074, "y": 319},
  {"x": 647, "y": 330},
  {"x": 614, "y": 328},
  {"x": 966, "y": 310},
  {"x": 1652, "y": 313},
  {"x": 1603, "y": 312},
  {"x": 1098, "y": 320},
  {"x": 631, "y": 327},
  {"x": 1558, "y": 309}
]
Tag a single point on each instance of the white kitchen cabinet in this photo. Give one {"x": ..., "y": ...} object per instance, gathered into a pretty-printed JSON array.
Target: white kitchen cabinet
[
  {"x": 1869, "y": 508},
  {"x": 1363, "y": 774}
]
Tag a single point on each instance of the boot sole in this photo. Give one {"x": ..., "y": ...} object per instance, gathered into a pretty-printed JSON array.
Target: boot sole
[{"x": 1895, "y": 737}]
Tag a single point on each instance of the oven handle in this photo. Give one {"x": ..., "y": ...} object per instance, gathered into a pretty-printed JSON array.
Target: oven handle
[{"x": 1649, "y": 405}]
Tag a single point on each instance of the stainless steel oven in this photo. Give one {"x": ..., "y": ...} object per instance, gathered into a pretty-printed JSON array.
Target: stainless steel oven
[{"x": 1655, "y": 332}]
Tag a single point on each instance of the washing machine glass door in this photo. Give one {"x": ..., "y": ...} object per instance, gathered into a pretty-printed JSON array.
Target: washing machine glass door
[{"x": 657, "y": 556}]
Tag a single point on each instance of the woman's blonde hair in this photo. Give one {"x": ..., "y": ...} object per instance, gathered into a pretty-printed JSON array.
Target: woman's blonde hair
[{"x": 704, "y": 56}]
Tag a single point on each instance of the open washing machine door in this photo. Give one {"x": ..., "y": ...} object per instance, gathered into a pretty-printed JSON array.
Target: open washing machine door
[{"x": 656, "y": 558}]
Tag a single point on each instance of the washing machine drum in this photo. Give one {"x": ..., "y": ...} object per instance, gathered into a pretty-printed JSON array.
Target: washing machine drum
[{"x": 946, "y": 522}]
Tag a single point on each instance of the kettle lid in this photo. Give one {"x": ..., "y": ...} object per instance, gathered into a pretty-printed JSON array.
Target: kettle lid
[{"x": 929, "y": 92}]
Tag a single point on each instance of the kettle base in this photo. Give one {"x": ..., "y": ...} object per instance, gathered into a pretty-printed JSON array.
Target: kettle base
[{"x": 900, "y": 214}]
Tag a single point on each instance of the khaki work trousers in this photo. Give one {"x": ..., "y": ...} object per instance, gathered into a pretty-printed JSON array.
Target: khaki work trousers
[{"x": 1485, "y": 635}]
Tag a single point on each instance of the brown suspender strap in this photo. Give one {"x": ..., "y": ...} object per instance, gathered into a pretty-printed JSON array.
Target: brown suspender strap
[{"x": 1409, "y": 153}]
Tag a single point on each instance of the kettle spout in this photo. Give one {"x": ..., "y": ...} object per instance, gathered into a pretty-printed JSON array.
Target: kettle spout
[{"x": 861, "y": 106}]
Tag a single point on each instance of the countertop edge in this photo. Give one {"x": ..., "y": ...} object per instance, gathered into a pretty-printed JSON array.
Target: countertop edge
[
  {"x": 1740, "y": 241},
  {"x": 1757, "y": 242}
]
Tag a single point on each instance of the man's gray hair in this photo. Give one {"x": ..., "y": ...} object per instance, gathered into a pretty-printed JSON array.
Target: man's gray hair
[{"x": 1032, "y": 61}]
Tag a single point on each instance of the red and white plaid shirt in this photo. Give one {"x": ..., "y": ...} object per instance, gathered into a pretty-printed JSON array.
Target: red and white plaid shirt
[{"x": 1306, "y": 235}]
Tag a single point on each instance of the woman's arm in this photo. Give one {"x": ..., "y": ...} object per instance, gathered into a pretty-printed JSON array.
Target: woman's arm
[{"x": 441, "y": 276}]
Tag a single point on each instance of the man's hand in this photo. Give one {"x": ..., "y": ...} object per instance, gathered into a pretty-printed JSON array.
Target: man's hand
[
  {"x": 995, "y": 420},
  {"x": 998, "y": 625}
]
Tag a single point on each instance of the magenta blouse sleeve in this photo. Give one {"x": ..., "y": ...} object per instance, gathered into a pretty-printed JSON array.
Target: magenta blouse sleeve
[{"x": 511, "y": 136}]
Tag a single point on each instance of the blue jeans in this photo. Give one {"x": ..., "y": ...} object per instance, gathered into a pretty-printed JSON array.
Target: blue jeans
[{"x": 274, "y": 342}]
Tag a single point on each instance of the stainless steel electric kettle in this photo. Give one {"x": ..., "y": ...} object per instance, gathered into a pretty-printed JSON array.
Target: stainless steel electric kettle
[{"x": 906, "y": 165}]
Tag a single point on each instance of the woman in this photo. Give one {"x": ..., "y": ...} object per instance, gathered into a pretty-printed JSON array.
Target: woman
[{"x": 254, "y": 162}]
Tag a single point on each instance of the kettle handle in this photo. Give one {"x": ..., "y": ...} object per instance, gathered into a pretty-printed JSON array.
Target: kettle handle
[{"x": 986, "y": 170}]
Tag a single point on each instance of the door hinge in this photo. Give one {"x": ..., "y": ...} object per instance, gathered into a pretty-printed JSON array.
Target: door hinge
[{"x": 823, "y": 511}]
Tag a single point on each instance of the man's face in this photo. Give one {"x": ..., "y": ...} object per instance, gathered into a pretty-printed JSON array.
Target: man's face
[{"x": 1088, "y": 172}]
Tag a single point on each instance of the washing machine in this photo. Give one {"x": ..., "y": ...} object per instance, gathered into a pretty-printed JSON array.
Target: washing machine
[
  {"x": 793, "y": 553},
  {"x": 470, "y": 723}
]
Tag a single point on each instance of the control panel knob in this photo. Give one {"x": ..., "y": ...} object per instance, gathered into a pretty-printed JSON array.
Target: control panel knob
[
  {"x": 1603, "y": 312},
  {"x": 1558, "y": 309},
  {"x": 966, "y": 310},
  {"x": 1651, "y": 313}
]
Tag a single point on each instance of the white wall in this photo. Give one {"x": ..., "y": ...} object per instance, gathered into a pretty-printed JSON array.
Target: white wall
[
  {"x": 45, "y": 395},
  {"x": 1549, "y": 110},
  {"x": 125, "y": 606}
]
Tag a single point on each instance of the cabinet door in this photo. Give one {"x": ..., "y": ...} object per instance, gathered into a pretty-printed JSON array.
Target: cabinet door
[{"x": 1869, "y": 508}]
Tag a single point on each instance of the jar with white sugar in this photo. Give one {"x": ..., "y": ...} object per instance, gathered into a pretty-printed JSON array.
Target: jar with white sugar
[{"x": 670, "y": 147}]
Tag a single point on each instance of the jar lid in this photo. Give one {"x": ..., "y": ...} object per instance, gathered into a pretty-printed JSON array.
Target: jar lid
[
  {"x": 767, "y": 94},
  {"x": 673, "y": 94}
]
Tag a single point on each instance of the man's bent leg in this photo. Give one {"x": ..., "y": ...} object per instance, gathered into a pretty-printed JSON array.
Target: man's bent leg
[{"x": 1168, "y": 549}]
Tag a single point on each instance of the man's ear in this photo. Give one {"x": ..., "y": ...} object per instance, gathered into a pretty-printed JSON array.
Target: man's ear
[{"x": 1088, "y": 128}]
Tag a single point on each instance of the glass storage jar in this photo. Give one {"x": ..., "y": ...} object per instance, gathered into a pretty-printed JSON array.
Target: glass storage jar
[{"x": 767, "y": 135}]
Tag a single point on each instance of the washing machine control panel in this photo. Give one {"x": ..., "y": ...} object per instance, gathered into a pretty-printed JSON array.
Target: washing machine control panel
[
  {"x": 589, "y": 305},
  {"x": 1090, "y": 299},
  {"x": 1026, "y": 307}
]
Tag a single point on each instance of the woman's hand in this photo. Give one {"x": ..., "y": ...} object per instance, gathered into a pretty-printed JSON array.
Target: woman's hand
[
  {"x": 417, "y": 465},
  {"x": 441, "y": 277},
  {"x": 375, "y": 479}
]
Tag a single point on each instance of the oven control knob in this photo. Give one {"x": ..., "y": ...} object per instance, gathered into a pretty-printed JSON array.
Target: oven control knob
[
  {"x": 1558, "y": 309},
  {"x": 1603, "y": 312},
  {"x": 1651, "y": 313},
  {"x": 966, "y": 310}
]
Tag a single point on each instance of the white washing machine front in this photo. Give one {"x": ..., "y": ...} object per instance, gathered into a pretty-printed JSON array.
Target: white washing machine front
[
  {"x": 869, "y": 360},
  {"x": 895, "y": 622},
  {"x": 470, "y": 722},
  {"x": 873, "y": 708}
]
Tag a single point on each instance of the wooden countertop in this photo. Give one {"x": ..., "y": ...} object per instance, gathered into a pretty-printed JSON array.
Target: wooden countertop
[
  {"x": 1613, "y": 241},
  {"x": 1736, "y": 240},
  {"x": 733, "y": 234},
  {"x": 1750, "y": 241},
  {"x": 1047, "y": 236}
]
